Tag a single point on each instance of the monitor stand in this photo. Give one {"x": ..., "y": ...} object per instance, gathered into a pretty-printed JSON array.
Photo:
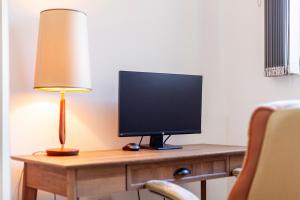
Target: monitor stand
[{"x": 157, "y": 143}]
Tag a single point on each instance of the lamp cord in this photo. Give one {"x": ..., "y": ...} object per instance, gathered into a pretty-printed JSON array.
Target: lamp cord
[{"x": 39, "y": 153}]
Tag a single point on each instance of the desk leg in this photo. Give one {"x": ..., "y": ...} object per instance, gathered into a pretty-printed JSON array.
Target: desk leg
[
  {"x": 203, "y": 190},
  {"x": 28, "y": 193},
  {"x": 71, "y": 185}
]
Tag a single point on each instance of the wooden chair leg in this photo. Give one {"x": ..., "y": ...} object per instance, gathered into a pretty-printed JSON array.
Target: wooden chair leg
[{"x": 203, "y": 190}]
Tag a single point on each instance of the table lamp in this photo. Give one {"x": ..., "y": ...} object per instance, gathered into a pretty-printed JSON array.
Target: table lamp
[{"x": 62, "y": 62}]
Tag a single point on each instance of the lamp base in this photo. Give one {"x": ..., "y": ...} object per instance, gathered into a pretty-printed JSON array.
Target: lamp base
[{"x": 62, "y": 152}]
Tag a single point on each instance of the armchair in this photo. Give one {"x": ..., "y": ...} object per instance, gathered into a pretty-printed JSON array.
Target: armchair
[{"x": 272, "y": 162}]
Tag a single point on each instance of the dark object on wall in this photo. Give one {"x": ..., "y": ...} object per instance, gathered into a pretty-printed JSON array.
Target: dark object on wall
[{"x": 282, "y": 44}]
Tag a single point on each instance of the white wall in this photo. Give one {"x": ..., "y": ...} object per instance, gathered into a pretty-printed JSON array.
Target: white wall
[
  {"x": 176, "y": 36},
  {"x": 243, "y": 46},
  {"x": 243, "y": 62}
]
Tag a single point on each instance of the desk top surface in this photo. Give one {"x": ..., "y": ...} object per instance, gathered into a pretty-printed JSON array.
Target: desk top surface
[{"x": 114, "y": 157}]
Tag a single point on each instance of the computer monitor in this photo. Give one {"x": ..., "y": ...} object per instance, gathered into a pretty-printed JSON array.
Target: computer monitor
[{"x": 158, "y": 104}]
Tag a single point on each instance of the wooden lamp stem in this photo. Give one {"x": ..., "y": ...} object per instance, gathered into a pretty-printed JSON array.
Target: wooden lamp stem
[
  {"x": 62, "y": 120},
  {"x": 62, "y": 133}
]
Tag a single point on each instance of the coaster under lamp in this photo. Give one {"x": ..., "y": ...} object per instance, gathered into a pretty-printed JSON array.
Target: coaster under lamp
[{"x": 62, "y": 63}]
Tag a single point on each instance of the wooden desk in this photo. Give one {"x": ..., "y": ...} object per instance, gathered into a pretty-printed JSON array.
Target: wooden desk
[{"x": 100, "y": 173}]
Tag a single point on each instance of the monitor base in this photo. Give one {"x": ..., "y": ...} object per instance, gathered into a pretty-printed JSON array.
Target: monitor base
[
  {"x": 157, "y": 143},
  {"x": 164, "y": 147}
]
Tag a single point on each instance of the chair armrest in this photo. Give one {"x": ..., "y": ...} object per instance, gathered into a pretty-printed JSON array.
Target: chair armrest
[
  {"x": 235, "y": 172},
  {"x": 170, "y": 190}
]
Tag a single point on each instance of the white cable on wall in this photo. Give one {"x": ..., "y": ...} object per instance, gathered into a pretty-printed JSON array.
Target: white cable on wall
[{"x": 258, "y": 3}]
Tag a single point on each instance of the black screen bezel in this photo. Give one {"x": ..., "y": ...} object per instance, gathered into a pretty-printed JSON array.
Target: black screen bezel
[{"x": 153, "y": 133}]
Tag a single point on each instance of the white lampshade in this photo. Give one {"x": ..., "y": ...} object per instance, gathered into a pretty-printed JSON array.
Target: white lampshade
[{"x": 62, "y": 62}]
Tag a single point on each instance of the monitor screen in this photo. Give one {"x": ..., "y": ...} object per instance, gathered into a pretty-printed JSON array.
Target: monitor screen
[{"x": 159, "y": 103}]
